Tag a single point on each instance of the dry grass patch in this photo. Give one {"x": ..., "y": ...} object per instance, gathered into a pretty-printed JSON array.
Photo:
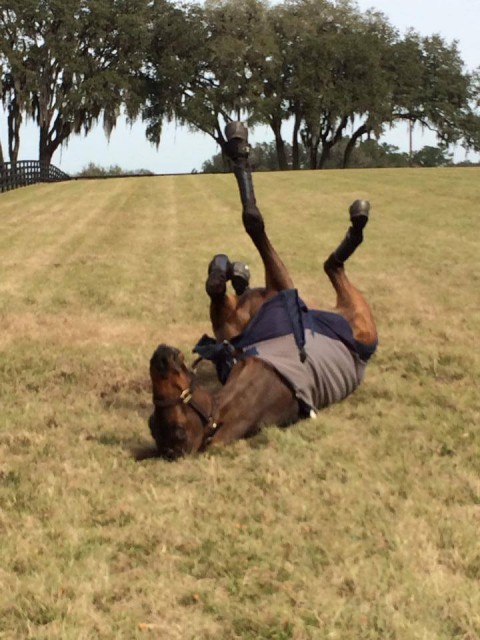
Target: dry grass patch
[{"x": 361, "y": 524}]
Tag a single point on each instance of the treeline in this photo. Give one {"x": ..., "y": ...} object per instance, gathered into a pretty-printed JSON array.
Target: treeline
[
  {"x": 337, "y": 76},
  {"x": 367, "y": 154},
  {"x": 93, "y": 170}
]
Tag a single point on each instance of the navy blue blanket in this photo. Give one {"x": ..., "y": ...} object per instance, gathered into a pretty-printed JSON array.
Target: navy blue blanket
[{"x": 283, "y": 314}]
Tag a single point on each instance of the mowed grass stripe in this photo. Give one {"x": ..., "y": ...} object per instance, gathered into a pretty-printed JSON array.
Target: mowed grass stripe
[
  {"x": 101, "y": 243},
  {"x": 360, "y": 524},
  {"x": 71, "y": 217}
]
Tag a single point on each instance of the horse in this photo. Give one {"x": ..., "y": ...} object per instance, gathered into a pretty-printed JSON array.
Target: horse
[{"x": 256, "y": 331}]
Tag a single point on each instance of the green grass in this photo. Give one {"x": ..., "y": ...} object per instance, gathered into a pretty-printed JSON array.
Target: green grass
[{"x": 362, "y": 524}]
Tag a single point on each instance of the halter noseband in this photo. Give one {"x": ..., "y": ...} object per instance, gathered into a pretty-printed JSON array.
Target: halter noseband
[{"x": 186, "y": 397}]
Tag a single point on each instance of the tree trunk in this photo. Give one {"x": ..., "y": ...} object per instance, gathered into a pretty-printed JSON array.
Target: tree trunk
[
  {"x": 311, "y": 143},
  {"x": 352, "y": 142},
  {"x": 275, "y": 125},
  {"x": 295, "y": 145},
  {"x": 281, "y": 154},
  {"x": 51, "y": 139},
  {"x": 330, "y": 138},
  {"x": 14, "y": 121},
  {"x": 324, "y": 156},
  {"x": 280, "y": 147},
  {"x": 44, "y": 151}
]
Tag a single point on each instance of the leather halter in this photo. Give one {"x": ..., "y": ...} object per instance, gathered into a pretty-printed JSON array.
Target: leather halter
[{"x": 186, "y": 397}]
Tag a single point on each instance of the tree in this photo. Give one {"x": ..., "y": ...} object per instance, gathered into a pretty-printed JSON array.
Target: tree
[
  {"x": 353, "y": 48},
  {"x": 430, "y": 87},
  {"x": 317, "y": 65},
  {"x": 208, "y": 78},
  {"x": 12, "y": 105},
  {"x": 263, "y": 157},
  {"x": 93, "y": 170},
  {"x": 72, "y": 61},
  {"x": 367, "y": 154},
  {"x": 432, "y": 157},
  {"x": 325, "y": 72},
  {"x": 174, "y": 70},
  {"x": 12, "y": 98},
  {"x": 341, "y": 69},
  {"x": 369, "y": 64},
  {"x": 1, "y": 100},
  {"x": 270, "y": 71}
]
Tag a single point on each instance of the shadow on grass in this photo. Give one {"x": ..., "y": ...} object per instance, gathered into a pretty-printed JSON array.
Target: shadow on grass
[
  {"x": 145, "y": 452},
  {"x": 134, "y": 394},
  {"x": 138, "y": 451},
  {"x": 127, "y": 394}
]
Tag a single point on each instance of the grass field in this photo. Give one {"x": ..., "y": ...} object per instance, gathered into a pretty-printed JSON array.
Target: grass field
[{"x": 361, "y": 524}]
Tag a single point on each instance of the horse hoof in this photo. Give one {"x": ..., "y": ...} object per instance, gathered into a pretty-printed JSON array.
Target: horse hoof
[
  {"x": 221, "y": 262},
  {"x": 237, "y": 141},
  {"x": 240, "y": 277},
  {"x": 359, "y": 211},
  {"x": 216, "y": 284},
  {"x": 236, "y": 130}
]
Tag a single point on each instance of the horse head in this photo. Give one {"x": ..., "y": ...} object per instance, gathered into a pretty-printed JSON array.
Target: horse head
[{"x": 182, "y": 415}]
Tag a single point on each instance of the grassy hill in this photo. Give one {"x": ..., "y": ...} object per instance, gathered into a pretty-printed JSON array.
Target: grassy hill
[{"x": 361, "y": 524}]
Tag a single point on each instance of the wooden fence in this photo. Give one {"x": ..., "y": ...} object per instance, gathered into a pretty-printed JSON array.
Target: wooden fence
[{"x": 25, "y": 172}]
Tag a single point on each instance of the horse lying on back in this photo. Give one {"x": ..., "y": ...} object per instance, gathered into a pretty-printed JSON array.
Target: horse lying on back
[{"x": 278, "y": 360}]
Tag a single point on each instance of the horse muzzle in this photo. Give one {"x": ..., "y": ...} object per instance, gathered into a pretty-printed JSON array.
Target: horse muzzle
[{"x": 172, "y": 441}]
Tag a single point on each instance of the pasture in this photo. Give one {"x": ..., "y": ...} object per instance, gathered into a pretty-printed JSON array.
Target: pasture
[{"x": 359, "y": 525}]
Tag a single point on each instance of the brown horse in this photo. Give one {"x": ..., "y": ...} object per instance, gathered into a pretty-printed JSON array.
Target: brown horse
[{"x": 261, "y": 385}]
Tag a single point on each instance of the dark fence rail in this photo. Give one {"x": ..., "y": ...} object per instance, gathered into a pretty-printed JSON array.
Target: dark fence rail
[{"x": 24, "y": 172}]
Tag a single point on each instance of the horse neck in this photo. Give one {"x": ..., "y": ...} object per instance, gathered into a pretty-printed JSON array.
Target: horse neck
[{"x": 207, "y": 398}]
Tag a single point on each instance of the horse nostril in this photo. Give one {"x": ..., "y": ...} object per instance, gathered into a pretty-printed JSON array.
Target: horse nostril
[{"x": 180, "y": 433}]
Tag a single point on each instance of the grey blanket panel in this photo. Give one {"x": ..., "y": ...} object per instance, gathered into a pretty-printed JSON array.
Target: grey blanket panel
[{"x": 329, "y": 374}]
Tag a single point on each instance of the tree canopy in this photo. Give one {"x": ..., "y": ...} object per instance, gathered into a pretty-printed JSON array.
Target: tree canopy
[
  {"x": 70, "y": 62},
  {"x": 335, "y": 75}
]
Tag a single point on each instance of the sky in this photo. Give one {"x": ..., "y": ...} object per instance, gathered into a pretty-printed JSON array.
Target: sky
[{"x": 182, "y": 151}]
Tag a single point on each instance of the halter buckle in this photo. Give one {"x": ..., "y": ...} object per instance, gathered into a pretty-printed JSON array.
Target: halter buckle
[{"x": 186, "y": 396}]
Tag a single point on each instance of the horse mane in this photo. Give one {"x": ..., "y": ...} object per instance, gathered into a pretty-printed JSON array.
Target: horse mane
[{"x": 163, "y": 358}]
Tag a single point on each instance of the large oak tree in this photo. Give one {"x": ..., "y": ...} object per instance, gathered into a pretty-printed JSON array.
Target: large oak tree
[{"x": 73, "y": 62}]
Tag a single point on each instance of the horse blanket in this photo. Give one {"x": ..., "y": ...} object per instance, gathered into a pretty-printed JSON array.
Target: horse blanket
[{"x": 313, "y": 351}]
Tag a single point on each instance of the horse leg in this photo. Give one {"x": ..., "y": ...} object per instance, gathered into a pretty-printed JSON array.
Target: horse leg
[
  {"x": 222, "y": 304},
  {"x": 351, "y": 304},
  {"x": 253, "y": 395},
  {"x": 237, "y": 149}
]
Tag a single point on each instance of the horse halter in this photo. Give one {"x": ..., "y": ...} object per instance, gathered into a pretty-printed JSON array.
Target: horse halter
[{"x": 186, "y": 398}]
